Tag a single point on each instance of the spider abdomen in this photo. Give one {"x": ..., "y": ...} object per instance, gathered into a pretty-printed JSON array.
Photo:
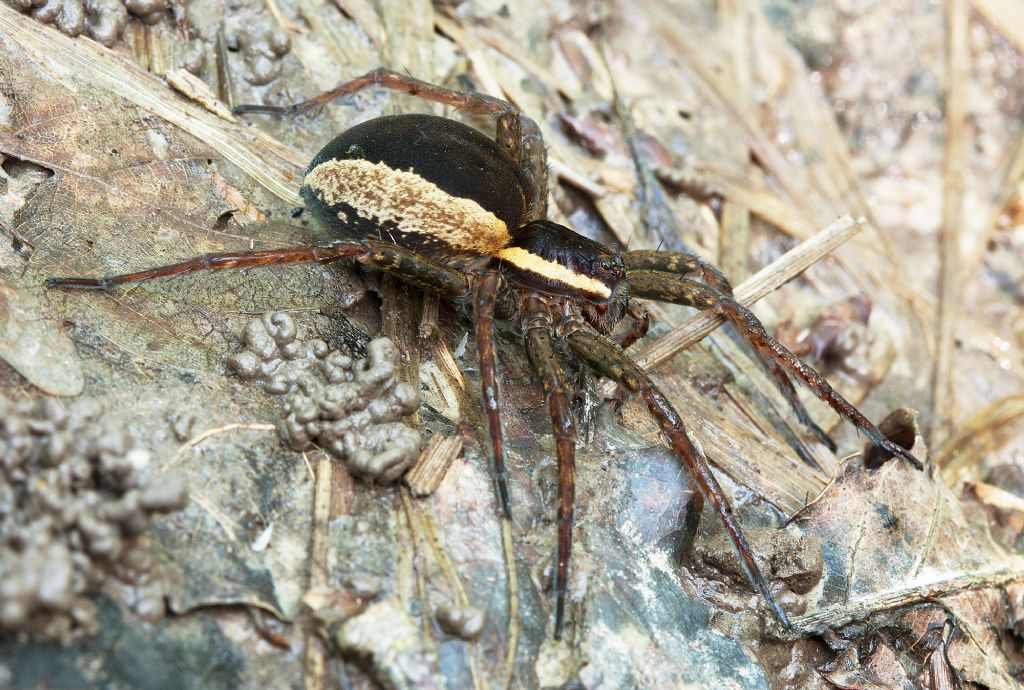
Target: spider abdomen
[{"x": 428, "y": 183}]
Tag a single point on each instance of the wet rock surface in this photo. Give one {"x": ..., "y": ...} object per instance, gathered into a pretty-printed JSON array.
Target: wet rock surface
[{"x": 75, "y": 492}]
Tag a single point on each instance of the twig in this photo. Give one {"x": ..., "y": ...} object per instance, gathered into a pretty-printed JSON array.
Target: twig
[
  {"x": 225, "y": 84},
  {"x": 770, "y": 278},
  {"x": 196, "y": 440},
  {"x": 957, "y": 62},
  {"x": 858, "y": 609},
  {"x": 428, "y": 319},
  {"x": 430, "y": 469},
  {"x": 314, "y": 657}
]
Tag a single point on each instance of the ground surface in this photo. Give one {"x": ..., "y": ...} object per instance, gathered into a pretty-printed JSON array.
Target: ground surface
[{"x": 754, "y": 127}]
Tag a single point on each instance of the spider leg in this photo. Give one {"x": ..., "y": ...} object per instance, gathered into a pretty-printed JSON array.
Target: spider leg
[
  {"x": 381, "y": 256},
  {"x": 541, "y": 350},
  {"x": 682, "y": 264},
  {"x": 612, "y": 362},
  {"x": 515, "y": 131},
  {"x": 788, "y": 390},
  {"x": 672, "y": 288},
  {"x": 484, "y": 299},
  {"x": 470, "y": 102},
  {"x": 677, "y": 263}
]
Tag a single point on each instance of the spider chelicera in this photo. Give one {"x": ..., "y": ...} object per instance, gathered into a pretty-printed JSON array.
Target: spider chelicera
[{"x": 436, "y": 203}]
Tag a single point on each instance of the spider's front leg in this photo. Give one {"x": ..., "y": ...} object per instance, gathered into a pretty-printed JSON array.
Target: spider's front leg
[
  {"x": 484, "y": 300},
  {"x": 681, "y": 264},
  {"x": 667, "y": 287},
  {"x": 540, "y": 346},
  {"x": 607, "y": 358}
]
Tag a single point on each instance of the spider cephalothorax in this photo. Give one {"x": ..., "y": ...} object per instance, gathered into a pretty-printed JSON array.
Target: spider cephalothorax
[
  {"x": 438, "y": 204},
  {"x": 551, "y": 259}
]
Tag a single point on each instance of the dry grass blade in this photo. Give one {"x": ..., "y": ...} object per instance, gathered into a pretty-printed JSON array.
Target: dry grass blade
[
  {"x": 998, "y": 498},
  {"x": 1008, "y": 17},
  {"x": 314, "y": 657},
  {"x": 1009, "y": 571},
  {"x": 195, "y": 441},
  {"x": 957, "y": 61},
  {"x": 283, "y": 21},
  {"x": 1008, "y": 188},
  {"x": 984, "y": 433},
  {"x": 767, "y": 280},
  {"x": 748, "y": 191},
  {"x": 734, "y": 234},
  {"x": 720, "y": 92}
]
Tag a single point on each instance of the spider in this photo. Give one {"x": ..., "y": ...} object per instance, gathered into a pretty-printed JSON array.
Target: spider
[{"x": 438, "y": 204}]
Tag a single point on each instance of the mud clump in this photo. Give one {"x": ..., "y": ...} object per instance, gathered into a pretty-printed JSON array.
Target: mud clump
[
  {"x": 264, "y": 46},
  {"x": 352, "y": 408},
  {"x": 101, "y": 20},
  {"x": 75, "y": 492}
]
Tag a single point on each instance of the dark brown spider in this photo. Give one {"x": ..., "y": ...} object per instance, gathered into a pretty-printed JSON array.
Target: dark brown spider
[{"x": 436, "y": 203}]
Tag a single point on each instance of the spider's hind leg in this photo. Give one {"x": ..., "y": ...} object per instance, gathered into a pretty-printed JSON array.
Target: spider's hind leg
[{"x": 515, "y": 131}]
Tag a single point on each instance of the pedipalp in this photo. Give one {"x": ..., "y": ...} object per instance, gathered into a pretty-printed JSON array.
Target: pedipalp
[{"x": 682, "y": 264}]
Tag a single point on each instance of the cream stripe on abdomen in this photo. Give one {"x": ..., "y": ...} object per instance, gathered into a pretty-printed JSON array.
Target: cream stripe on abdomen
[{"x": 414, "y": 204}]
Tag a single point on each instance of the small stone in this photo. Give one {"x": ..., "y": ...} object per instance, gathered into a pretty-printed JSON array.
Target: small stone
[{"x": 465, "y": 622}]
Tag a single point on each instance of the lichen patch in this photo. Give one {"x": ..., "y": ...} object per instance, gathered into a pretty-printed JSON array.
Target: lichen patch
[{"x": 412, "y": 204}]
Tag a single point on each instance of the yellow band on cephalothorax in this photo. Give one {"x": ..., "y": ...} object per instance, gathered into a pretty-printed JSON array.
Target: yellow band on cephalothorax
[
  {"x": 414, "y": 204},
  {"x": 524, "y": 260}
]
